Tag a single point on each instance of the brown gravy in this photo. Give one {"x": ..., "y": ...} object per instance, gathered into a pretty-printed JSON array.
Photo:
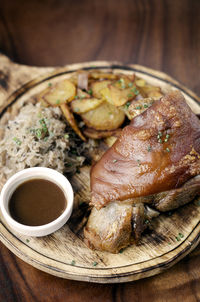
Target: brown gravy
[{"x": 37, "y": 202}]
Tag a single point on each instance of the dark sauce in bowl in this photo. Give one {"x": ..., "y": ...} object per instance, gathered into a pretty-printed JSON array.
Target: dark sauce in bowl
[{"x": 37, "y": 202}]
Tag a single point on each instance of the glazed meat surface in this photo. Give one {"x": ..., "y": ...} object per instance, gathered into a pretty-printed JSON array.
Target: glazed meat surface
[
  {"x": 119, "y": 224},
  {"x": 158, "y": 151}
]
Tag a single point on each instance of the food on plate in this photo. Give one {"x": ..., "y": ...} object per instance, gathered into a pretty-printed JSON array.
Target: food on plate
[
  {"x": 84, "y": 105},
  {"x": 111, "y": 228},
  {"x": 104, "y": 117},
  {"x": 71, "y": 120},
  {"x": 157, "y": 152},
  {"x": 155, "y": 161},
  {"x": 39, "y": 136},
  {"x": 100, "y": 99},
  {"x": 139, "y": 106},
  {"x": 95, "y": 134},
  {"x": 149, "y": 155},
  {"x": 98, "y": 86},
  {"x": 63, "y": 92}
]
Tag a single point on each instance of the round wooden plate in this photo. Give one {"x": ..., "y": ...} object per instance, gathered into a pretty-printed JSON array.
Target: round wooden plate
[{"x": 64, "y": 253}]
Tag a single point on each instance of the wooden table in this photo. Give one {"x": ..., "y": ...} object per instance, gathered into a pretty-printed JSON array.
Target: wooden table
[{"x": 163, "y": 35}]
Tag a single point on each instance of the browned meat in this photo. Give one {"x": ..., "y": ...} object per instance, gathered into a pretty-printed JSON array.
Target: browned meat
[
  {"x": 157, "y": 152},
  {"x": 123, "y": 222},
  {"x": 109, "y": 229},
  {"x": 138, "y": 220},
  {"x": 117, "y": 225},
  {"x": 166, "y": 201}
]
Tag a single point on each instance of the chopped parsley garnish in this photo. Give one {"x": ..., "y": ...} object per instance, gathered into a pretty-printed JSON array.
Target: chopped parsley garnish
[
  {"x": 179, "y": 237},
  {"x": 159, "y": 137},
  {"x": 130, "y": 84},
  {"x": 94, "y": 263},
  {"x": 129, "y": 95},
  {"x": 146, "y": 106},
  {"x": 135, "y": 91},
  {"x": 138, "y": 107},
  {"x": 114, "y": 160},
  {"x": 167, "y": 149},
  {"x": 167, "y": 137},
  {"x": 49, "y": 84},
  {"x": 149, "y": 149},
  {"x": 17, "y": 141},
  {"x": 90, "y": 91},
  {"x": 58, "y": 102},
  {"x": 66, "y": 136},
  {"x": 121, "y": 81},
  {"x": 38, "y": 133},
  {"x": 121, "y": 251},
  {"x": 146, "y": 221},
  {"x": 139, "y": 162},
  {"x": 127, "y": 105},
  {"x": 73, "y": 262},
  {"x": 76, "y": 97},
  {"x": 68, "y": 164},
  {"x": 27, "y": 240},
  {"x": 43, "y": 124}
]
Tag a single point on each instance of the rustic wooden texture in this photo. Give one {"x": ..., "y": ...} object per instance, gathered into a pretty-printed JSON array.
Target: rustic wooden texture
[
  {"x": 160, "y": 34},
  {"x": 54, "y": 254}
]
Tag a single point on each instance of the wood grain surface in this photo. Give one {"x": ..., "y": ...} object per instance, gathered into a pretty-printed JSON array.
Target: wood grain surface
[{"x": 161, "y": 34}]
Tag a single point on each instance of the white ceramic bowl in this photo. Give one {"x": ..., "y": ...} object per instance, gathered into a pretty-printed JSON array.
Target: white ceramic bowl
[{"x": 33, "y": 173}]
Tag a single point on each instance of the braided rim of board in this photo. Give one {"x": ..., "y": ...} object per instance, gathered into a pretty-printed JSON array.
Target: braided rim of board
[{"x": 94, "y": 274}]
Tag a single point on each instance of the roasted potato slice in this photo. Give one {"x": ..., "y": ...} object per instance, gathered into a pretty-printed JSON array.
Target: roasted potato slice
[
  {"x": 95, "y": 134},
  {"x": 151, "y": 91},
  {"x": 61, "y": 93},
  {"x": 104, "y": 117},
  {"x": 71, "y": 120},
  {"x": 110, "y": 140},
  {"x": 84, "y": 105},
  {"x": 97, "y": 75},
  {"x": 82, "y": 94},
  {"x": 40, "y": 97},
  {"x": 140, "y": 82},
  {"x": 125, "y": 81},
  {"x": 117, "y": 96},
  {"x": 98, "y": 86}
]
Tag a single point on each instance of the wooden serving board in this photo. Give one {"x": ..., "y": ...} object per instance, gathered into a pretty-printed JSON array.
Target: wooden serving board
[{"x": 64, "y": 253}]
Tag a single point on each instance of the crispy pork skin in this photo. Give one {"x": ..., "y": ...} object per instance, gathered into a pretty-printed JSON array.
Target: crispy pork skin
[{"x": 159, "y": 151}]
